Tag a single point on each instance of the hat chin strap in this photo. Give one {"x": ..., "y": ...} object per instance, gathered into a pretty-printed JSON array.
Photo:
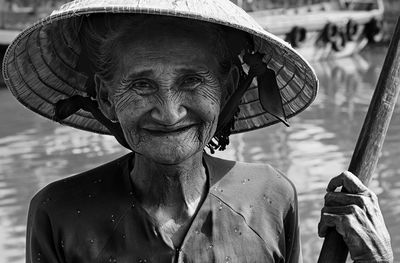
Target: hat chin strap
[
  {"x": 67, "y": 107},
  {"x": 268, "y": 92}
]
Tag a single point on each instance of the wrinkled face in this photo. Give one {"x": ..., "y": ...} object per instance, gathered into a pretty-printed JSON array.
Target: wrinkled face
[{"x": 166, "y": 93}]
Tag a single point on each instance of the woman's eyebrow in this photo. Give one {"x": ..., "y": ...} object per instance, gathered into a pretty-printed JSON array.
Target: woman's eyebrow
[
  {"x": 193, "y": 70},
  {"x": 138, "y": 74}
]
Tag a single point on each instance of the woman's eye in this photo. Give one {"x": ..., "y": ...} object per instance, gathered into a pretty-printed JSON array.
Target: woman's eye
[
  {"x": 192, "y": 81},
  {"x": 143, "y": 87}
]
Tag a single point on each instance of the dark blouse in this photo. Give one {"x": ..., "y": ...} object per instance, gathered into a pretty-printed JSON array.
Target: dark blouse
[{"x": 248, "y": 215}]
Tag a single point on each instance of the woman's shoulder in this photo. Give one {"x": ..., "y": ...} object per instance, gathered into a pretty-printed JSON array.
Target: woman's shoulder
[
  {"x": 233, "y": 171},
  {"x": 89, "y": 184},
  {"x": 250, "y": 181}
]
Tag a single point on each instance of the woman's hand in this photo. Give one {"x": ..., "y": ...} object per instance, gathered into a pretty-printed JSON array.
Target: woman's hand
[{"x": 356, "y": 215}]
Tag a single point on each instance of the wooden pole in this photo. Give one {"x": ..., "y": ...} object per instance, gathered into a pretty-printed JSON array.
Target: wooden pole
[{"x": 370, "y": 140}]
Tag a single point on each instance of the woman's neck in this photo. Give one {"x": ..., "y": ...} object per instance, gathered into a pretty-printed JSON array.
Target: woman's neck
[{"x": 178, "y": 186}]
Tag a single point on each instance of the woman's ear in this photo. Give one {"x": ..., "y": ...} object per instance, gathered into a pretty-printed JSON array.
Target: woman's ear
[{"x": 103, "y": 98}]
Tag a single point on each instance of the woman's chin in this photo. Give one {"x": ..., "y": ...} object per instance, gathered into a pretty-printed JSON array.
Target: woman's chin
[
  {"x": 170, "y": 155},
  {"x": 168, "y": 149}
]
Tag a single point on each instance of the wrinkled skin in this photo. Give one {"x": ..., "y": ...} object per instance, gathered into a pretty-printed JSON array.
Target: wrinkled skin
[
  {"x": 165, "y": 97},
  {"x": 356, "y": 216}
]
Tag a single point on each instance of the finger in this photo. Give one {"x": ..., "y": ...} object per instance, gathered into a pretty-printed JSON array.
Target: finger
[
  {"x": 348, "y": 181},
  {"x": 329, "y": 221},
  {"x": 348, "y": 222},
  {"x": 345, "y": 210},
  {"x": 344, "y": 199}
]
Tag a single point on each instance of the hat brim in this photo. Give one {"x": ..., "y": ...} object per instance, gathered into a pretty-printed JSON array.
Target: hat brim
[{"x": 39, "y": 66}]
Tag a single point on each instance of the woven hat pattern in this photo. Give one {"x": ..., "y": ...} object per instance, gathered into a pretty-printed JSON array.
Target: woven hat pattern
[{"x": 40, "y": 65}]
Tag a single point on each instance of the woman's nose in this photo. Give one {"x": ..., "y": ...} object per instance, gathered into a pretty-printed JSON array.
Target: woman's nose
[{"x": 169, "y": 111}]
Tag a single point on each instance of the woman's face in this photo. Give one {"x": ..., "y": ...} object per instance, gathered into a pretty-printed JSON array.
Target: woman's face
[{"x": 166, "y": 93}]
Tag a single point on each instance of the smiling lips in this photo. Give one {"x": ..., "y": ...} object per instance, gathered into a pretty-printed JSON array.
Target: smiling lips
[{"x": 160, "y": 130}]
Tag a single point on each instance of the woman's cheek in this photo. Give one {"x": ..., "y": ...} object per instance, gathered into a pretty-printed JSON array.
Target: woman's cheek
[
  {"x": 129, "y": 105},
  {"x": 209, "y": 112},
  {"x": 129, "y": 126},
  {"x": 124, "y": 100},
  {"x": 129, "y": 109},
  {"x": 209, "y": 99}
]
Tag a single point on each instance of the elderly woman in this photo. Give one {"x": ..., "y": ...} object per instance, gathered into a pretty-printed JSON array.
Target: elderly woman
[{"x": 168, "y": 80}]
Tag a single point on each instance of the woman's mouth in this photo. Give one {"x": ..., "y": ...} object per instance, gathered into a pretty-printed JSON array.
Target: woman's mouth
[{"x": 168, "y": 130}]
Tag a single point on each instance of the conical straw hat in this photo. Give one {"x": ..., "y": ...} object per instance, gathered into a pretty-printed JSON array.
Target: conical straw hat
[{"x": 40, "y": 66}]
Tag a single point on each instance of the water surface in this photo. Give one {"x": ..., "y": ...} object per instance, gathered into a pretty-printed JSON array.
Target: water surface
[{"x": 317, "y": 146}]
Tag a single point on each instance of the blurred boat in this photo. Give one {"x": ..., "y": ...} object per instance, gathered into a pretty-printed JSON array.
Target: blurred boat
[
  {"x": 320, "y": 30},
  {"x": 15, "y": 15}
]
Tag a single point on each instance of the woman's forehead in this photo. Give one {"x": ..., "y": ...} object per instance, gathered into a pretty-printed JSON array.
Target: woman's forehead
[{"x": 177, "y": 49}]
